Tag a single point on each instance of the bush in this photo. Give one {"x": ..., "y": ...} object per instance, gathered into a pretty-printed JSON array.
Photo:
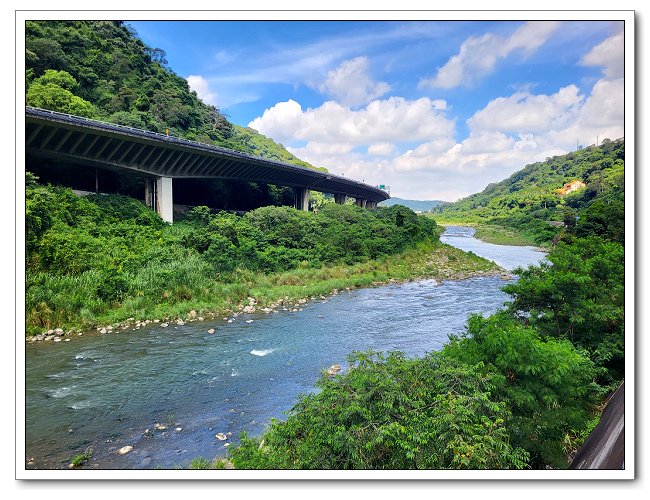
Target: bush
[{"x": 390, "y": 412}]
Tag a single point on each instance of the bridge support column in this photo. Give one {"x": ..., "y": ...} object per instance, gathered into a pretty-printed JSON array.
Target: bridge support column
[
  {"x": 165, "y": 199},
  {"x": 371, "y": 205},
  {"x": 361, "y": 202},
  {"x": 301, "y": 197},
  {"x": 340, "y": 199},
  {"x": 150, "y": 193}
]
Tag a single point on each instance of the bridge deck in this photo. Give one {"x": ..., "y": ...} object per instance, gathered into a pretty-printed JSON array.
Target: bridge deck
[{"x": 117, "y": 147}]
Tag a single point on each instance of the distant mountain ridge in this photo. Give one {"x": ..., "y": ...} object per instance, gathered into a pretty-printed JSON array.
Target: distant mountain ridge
[{"x": 415, "y": 205}]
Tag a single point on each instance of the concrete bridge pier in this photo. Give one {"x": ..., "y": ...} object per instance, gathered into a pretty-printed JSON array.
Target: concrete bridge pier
[
  {"x": 361, "y": 202},
  {"x": 371, "y": 205},
  {"x": 340, "y": 199},
  {"x": 301, "y": 197},
  {"x": 158, "y": 195}
]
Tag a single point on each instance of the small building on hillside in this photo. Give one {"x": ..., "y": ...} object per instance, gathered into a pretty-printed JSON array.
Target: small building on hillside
[{"x": 569, "y": 187}]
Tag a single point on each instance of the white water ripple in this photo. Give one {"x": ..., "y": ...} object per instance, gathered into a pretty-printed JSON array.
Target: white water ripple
[{"x": 263, "y": 352}]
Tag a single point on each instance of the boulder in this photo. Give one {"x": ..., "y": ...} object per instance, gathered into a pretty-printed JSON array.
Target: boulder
[
  {"x": 334, "y": 369},
  {"x": 124, "y": 450},
  {"x": 221, "y": 436}
]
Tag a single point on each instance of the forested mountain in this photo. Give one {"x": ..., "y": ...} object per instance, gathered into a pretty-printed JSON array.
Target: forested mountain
[
  {"x": 416, "y": 205},
  {"x": 102, "y": 70},
  {"x": 532, "y": 197}
]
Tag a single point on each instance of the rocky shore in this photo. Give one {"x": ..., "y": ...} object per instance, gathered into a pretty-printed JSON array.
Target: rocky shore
[{"x": 250, "y": 306}]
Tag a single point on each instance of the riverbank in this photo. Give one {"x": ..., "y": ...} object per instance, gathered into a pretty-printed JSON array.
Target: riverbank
[
  {"x": 497, "y": 235},
  {"x": 248, "y": 292}
]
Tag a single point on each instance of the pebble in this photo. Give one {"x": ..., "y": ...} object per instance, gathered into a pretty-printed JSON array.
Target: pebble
[
  {"x": 221, "y": 436},
  {"x": 179, "y": 429},
  {"x": 124, "y": 450},
  {"x": 249, "y": 321},
  {"x": 211, "y": 330},
  {"x": 164, "y": 325}
]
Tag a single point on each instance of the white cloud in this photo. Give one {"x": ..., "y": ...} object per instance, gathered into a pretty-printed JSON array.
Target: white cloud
[
  {"x": 390, "y": 120},
  {"x": 524, "y": 112},
  {"x": 200, "y": 85},
  {"x": 478, "y": 56},
  {"x": 351, "y": 85},
  {"x": 381, "y": 149},
  {"x": 609, "y": 54}
]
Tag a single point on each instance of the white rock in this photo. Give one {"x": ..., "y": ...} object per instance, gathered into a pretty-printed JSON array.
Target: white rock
[
  {"x": 103, "y": 330},
  {"x": 221, "y": 436},
  {"x": 249, "y": 309},
  {"x": 180, "y": 322},
  {"x": 124, "y": 450},
  {"x": 57, "y": 339},
  {"x": 249, "y": 321},
  {"x": 200, "y": 318},
  {"x": 192, "y": 314},
  {"x": 67, "y": 340},
  {"x": 156, "y": 321},
  {"x": 179, "y": 429},
  {"x": 333, "y": 369},
  {"x": 211, "y": 330},
  {"x": 79, "y": 334},
  {"x": 164, "y": 325}
]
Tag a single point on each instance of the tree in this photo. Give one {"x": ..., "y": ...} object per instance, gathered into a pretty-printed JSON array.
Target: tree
[{"x": 52, "y": 91}]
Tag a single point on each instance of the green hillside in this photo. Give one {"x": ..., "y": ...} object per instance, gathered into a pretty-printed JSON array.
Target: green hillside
[
  {"x": 416, "y": 205},
  {"x": 530, "y": 201},
  {"x": 102, "y": 70}
]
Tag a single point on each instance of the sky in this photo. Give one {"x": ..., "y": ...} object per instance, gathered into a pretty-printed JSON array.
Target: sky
[{"x": 433, "y": 109}]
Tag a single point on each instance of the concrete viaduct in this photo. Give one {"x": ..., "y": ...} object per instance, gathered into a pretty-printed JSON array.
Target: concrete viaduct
[{"x": 160, "y": 158}]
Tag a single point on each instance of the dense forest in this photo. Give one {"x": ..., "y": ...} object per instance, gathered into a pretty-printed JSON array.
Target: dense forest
[{"x": 531, "y": 198}]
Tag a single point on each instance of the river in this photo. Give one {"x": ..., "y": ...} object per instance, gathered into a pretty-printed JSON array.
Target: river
[{"x": 119, "y": 389}]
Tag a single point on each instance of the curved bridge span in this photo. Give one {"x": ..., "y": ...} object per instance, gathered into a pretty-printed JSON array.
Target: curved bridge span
[{"x": 161, "y": 158}]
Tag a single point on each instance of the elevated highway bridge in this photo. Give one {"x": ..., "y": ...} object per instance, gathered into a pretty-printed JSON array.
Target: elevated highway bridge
[{"x": 160, "y": 158}]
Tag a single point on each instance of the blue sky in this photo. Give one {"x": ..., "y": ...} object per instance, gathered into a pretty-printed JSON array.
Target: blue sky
[{"x": 435, "y": 109}]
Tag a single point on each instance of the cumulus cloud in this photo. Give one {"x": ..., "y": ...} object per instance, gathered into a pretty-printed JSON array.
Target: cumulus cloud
[
  {"x": 478, "y": 56},
  {"x": 351, "y": 85},
  {"x": 524, "y": 112},
  {"x": 381, "y": 149},
  {"x": 609, "y": 55},
  {"x": 390, "y": 120},
  {"x": 200, "y": 85}
]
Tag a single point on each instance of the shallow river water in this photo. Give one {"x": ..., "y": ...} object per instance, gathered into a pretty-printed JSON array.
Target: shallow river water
[{"x": 106, "y": 391}]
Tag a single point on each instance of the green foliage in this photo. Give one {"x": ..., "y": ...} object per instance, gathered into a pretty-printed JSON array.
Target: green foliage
[
  {"x": 527, "y": 201},
  {"x": 80, "y": 459},
  {"x": 578, "y": 295},
  {"x": 53, "y": 90},
  {"x": 87, "y": 256},
  {"x": 201, "y": 463},
  {"x": 547, "y": 383},
  {"x": 390, "y": 412}
]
